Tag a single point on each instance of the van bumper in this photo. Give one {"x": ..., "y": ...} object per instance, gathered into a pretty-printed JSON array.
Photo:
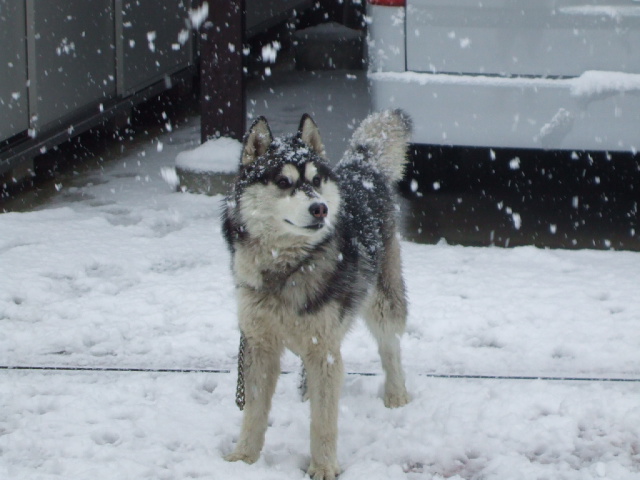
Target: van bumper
[{"x": 598, "y": 111}]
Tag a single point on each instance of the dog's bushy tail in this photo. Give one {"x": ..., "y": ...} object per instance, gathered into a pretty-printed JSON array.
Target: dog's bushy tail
[{"x": 384, "y": 138}]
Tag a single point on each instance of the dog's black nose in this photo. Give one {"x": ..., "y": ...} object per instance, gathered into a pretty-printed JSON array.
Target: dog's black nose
[{"x": 319, "y": 210}]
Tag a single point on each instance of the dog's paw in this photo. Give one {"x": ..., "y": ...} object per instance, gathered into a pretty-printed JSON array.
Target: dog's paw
[
  {"x": 323, "y": 472},
  {"x": 396, "y": 399},
  {"x": 242, "y": 456}
]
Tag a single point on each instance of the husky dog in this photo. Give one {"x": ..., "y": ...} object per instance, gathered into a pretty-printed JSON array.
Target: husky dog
[{"x": 312, "y": 247}]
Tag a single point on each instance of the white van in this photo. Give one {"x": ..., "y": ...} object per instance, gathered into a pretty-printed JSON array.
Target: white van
[{"x": 542, "y": 74}]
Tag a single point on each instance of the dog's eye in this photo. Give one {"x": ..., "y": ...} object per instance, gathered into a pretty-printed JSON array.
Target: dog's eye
[
  {"x": 317, "y": 181},
  {"x": 283, "y": 182}
]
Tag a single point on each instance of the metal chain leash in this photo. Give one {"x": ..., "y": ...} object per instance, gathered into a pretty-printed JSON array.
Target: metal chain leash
[
  {"x": 240, "y": 399},
  {"x": 303, "y": 388}
]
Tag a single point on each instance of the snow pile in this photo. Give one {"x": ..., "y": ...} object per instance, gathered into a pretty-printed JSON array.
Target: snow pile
[
  {"x": 220, "y": 155},
  {"x": 596, "y": 83},
  {"x": 121, "y": 272}
]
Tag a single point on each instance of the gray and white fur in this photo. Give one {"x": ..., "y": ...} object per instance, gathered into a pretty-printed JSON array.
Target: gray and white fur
[{"x": 311, "y": 248}]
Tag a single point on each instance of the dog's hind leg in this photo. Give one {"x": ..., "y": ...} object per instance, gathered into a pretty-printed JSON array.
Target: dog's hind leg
[
  {"x": 324, "y": 378},
  {"x": 395, "y": 391},
  {"x": 261, "y": 371},
  {"x": 386, "y": 314},
  {"x": 387, "y": 328}
]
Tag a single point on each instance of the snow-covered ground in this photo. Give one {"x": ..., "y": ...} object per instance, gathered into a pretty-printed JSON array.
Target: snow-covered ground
[{"x": 118, "y": 271}]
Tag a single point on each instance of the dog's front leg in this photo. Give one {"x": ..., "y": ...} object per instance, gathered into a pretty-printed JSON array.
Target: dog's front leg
[
  {"x": 324, "y": 380},
  {"x": 261, "y": 371}
]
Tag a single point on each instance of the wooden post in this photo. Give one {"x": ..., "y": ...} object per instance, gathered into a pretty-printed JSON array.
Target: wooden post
[{"x": 222, "y": 89}]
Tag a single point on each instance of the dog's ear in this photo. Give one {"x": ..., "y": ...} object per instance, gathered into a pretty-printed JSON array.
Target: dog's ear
[
  {"x": 256, "y": 141},
  {"x": 308, "y": 132}
]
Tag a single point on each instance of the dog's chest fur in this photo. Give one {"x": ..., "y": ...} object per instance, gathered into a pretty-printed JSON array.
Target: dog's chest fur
[
  {"x": 288, "y": 290},
  {"x": 261, "y": 266}
]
